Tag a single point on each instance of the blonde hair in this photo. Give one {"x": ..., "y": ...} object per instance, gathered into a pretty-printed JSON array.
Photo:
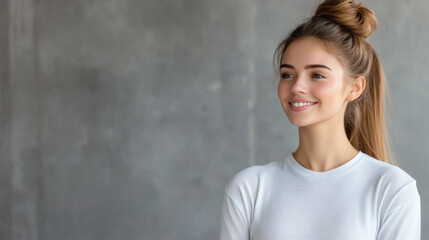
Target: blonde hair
[{"x": 343, "y": 26}]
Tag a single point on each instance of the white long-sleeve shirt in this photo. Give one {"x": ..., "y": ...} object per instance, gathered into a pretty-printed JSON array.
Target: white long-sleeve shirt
[{"x": 364, "y": 198}]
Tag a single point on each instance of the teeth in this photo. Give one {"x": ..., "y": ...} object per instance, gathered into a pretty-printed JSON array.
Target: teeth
[{"x": 300, "y": 104}]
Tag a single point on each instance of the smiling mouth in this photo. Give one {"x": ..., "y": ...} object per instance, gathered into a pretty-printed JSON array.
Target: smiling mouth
[
  {"x": 301, "y": 107},
  {"x": 301, "y": 104}
]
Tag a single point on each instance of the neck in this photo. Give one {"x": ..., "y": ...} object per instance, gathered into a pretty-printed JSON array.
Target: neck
[{"x": 323, "y": 146}]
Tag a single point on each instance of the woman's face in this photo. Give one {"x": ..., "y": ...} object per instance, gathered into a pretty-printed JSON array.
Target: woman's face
[{"x": 310, "y": 73}]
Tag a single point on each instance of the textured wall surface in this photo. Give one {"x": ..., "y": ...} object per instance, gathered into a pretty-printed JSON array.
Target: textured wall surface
[{"x": 124, "y": 119}]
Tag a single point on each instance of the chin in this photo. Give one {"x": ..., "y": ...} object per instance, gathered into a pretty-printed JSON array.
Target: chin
[{"x": 298, "y": 123}]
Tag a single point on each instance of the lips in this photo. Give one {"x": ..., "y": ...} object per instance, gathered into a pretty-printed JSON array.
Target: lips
[
  {"x": 301, "y": 108},
  {"x": 303, "y": 100}
]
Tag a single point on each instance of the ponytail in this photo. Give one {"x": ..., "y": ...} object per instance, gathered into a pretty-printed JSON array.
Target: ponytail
[{"x": 364, "y": 118}]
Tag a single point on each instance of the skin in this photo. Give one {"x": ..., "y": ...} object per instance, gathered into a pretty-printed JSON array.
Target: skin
[{"x": 323, "y": 143}]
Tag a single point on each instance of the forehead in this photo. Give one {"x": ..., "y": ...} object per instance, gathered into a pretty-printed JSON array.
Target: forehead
[{"x": 309, "y": 50}]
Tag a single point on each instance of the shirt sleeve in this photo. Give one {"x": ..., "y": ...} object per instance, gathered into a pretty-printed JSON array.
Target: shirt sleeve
[
  {"x": 403, "y": 217},
  {"x": 234, "y": 225}
]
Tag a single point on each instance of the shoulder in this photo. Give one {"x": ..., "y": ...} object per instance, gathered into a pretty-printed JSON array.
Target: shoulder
[
  {"x": 397, "y": 196},
  {"x": 394, "y": 185},
  {"x": 386, "y": 172},
  {"x": 245, "y": 182}
]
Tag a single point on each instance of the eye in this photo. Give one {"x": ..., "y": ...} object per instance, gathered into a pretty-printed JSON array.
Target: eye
[
  {"x": 286, "y": 75},
  {"x": 318, "y": 76}
]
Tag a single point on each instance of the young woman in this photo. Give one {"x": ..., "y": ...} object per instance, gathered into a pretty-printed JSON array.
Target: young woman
[{"x": 341, "y": 183}]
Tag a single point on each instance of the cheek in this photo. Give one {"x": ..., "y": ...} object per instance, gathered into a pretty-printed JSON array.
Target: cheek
[
  {"x": 283, "y": 89},
  {"x": 329, "y": 93}
]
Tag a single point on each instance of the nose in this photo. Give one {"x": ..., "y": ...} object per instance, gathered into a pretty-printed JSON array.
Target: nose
[{"x": 299, "y": 85}]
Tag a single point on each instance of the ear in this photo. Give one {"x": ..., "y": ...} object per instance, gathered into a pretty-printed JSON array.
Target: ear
[{"x": 356, "y": 88}]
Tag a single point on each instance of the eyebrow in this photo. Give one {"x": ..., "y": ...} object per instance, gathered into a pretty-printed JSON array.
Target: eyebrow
[{"x": 306, "y": 67}]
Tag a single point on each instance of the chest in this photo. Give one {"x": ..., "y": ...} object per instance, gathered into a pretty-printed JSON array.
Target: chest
[{"x": 322, "y": 210}]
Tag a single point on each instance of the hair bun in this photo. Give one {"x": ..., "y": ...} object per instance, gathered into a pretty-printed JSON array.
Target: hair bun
[{"x": 356, "y": 18}]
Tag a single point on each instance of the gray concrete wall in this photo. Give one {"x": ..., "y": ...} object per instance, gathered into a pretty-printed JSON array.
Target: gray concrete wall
[
  {"x": 125, "y": 119},
  {"x": 5, "y": 128}
]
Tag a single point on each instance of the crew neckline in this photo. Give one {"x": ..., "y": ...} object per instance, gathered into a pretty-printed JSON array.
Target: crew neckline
[{"x": 340, "y": 169}]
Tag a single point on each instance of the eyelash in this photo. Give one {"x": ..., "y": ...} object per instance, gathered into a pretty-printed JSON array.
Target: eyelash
[
  {"x": 320, "y": 76},
  {"x": 283, "y": 75}
]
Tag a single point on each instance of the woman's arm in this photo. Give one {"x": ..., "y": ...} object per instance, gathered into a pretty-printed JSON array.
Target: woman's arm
[
  {"x": 402, "y": 220},
  {"x": 234, "y": 225}
]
